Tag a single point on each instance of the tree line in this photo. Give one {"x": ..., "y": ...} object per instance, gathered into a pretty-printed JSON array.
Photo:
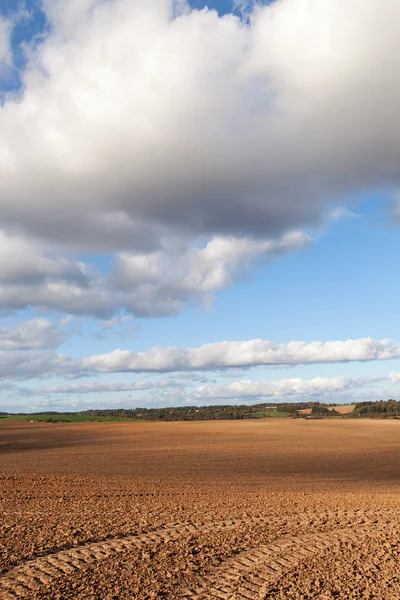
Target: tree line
[{"x": 380, "y": 408}]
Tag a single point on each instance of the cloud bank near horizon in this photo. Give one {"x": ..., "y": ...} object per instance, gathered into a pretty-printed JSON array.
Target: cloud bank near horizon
[
  {"x": 341, "y": 389},
  {"x": 282, "y": 388}
]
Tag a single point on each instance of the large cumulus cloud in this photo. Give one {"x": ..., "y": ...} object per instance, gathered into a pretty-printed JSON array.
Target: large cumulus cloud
[
  {"x": 132, "y": 123},
  {"x": 30, "y": 335},
  {"x": 185, "y": 144}
]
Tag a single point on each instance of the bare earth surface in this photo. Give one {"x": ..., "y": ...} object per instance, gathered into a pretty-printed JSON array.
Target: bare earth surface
[{"x": 242, "y": 510}]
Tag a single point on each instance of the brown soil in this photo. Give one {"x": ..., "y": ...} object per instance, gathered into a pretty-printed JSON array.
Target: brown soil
[
  {"x": 342, "y": 409},
  {"x": 256, "y": 509}
]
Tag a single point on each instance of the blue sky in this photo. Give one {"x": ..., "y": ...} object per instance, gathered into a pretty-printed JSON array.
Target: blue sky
[{"x": 156, "y": 202}]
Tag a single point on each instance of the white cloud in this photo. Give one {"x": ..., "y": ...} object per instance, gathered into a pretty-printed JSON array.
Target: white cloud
[
  {"x": 394, "y": 377},
  {"x": 281, "y": 388},
  {"x": 31, "y": 363},
  {"x": 163, "y": 282},
  {"x": 250, "y": 353},
  {"x": 29, "y": 335},
  {"x": 115, "y": 322},
  {"x": 340, "y": 213}
]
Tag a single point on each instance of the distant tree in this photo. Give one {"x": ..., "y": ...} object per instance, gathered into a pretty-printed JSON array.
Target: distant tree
[{"x": 319, "y": 409}]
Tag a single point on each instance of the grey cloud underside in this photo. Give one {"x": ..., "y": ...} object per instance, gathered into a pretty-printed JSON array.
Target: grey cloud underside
[
  {"x": 146, "y": 284},
  {"x": 131, "y": 126}
]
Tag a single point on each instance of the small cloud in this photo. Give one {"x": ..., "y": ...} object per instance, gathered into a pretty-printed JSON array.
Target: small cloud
[
  {"x": 394, "y": 377},
  {"x": 115, "y": 322},
  {"x": 30, "y": 335},
  {"x": 340, "y": 213},
  {"x": 65, "y": 321},
  {"x": 244, "y": 8}
]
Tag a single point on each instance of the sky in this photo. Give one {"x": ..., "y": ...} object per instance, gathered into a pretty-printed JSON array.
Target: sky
[{"x": 198, "y": 204}]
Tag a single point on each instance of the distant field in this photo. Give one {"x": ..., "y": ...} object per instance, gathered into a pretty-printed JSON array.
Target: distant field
[
  {"x": 340, "y": 408},
  {"x": 62, "y": 417},
  {"x": 344, "y": 409},
  {"x": 274, "y": 414},
  {"x": 177, "y": 414}
]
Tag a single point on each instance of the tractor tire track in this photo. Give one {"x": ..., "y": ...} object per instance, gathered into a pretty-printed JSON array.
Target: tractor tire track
[
  {"x": 27, "y": 577},
  {"x": 23, "y": 579},
  {"x": 248, "y": 575}
]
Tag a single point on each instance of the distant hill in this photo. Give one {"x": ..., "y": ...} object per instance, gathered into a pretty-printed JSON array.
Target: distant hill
[{"x": 309, "y": 410}]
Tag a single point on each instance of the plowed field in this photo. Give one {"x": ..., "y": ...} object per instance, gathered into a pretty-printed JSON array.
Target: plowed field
[{"x": 237, "y": 510}]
